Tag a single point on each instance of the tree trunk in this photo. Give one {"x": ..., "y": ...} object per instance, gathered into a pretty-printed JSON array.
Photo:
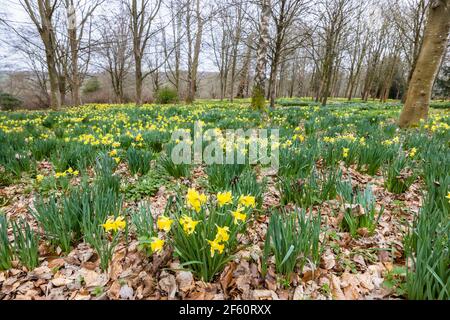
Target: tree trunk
[
  {"x": 138, "y": 77},
  {"x": 243, "y": 83},
  {"x": 260, "y": 72},
  {"x": 72, "y": 32},
  {"x": 433, "y": 48}
]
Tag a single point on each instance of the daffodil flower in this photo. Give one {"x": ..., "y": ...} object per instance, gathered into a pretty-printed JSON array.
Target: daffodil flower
[
  {"x": 215, "y": 246},
  {"x": 247, "y": 201},
  {"x": 222, "y": 234},
  {"x": 164, "y": 223},
  {"x": 238, "y": 215},
  {"x": 195, "y": 200},
  {"x": 157, "y": 245},
  {"x": 188, "y": 224},
  {"x": 224, "y": 198}
]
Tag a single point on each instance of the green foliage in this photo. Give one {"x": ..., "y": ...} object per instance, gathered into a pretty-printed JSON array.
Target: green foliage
[
  {"x": 106, "y": 181},
  {"x": 428, "y": 247},
  {"x": 359, "y": 209},
  {"x": 174, "y": 170},
  {"x": 146, "y": 186},
  {"x": 92, "y": 85},
  {"x": 42, "y": 149},
  {"x": 400, "y": 175},
  {"x": 9, "y": 102},
  {"x": 223, "y": 177},
  {"x": 5, "y": 246},
  {"x": 166, "y": 95},
  {"x": 26, "y": 244},
  {"x": 294, "y": 240},
  {"x": 306, "y": 192},
  {"x": 139, "y": 161},
  {"x": 61, "y": 220},
  {"x": 142, "y": 221}
]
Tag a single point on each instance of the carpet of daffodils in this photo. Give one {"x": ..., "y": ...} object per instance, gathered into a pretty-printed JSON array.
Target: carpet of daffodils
[{"x": 93, "y": 207}]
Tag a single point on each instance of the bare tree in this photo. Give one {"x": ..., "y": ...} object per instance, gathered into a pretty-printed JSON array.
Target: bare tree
[
  {"x": 115, "y": 52},
  {"x": 285, "y": 15},
  {"x": 41, "y": 13},
  {"x": 194, "y": 47},
  {"x": 76, "y": 30},
  {"x": 142, "y": 25}
]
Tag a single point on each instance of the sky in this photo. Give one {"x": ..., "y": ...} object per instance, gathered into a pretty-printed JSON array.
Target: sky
[{"x": 13, "y": 12}]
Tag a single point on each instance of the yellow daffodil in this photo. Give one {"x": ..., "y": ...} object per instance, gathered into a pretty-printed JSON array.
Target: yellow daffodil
[
  {"x": 238, "y": 215},
  {"x": 164, "y": 223},
  {"x": 413, "y": 153},
  {"x": 215, "y": 246},
  {"x": 195, "y": 200},
  {"x": 247, "y": 201},
  {"x": 157, "y": 245},
  {"x": 114, "y": 225},
  {"x": 188, "y": 224},
  {"x": 39, "y": 178},
  {"x": 224, "y": 198},
  {"x": 113, "y": 153},
  {"x": 60, "y": 175},
  {"x": 448, "y": 197},
  {"x": 345, "y": 152},
  {"x": 222, "y": 234},
  {"x": 120, "y": 223}
]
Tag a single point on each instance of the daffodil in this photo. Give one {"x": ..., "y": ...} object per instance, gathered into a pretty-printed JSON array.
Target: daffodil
[
  {"x": 164, "y": 223},
  {"x": 39, "y": 178},
  {"x": 109, "y": 225},
  {"x": 224, "y": 198},
  {"x": 195, "y": 200},
  {"x": 238, "y": 215},
  {"x": 120, "y": 223},
  {"x": 448, "y": 197},
  {"x": 247, "y": 201},
  {"x": 413, "y": 153},
  {"x": 114, "y": 225},
  {"x": 113, "y": 153},
  {"x": 60, "y": 175},
  {"x": 216, "y": 246},
  {"x": 188, "y": 224},
  {"x": 222, "y": 234},
  {"x": 157, "y": 245},
  {"x": 345, "y": 152}
]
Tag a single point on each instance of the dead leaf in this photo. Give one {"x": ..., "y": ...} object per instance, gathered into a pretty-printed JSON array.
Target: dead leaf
[
  {"x": 126, "y": 292},
  {"x": 168, "y": 284},
  {"x": 185, "y": 280},
  {"x": 264, "y": 295}
]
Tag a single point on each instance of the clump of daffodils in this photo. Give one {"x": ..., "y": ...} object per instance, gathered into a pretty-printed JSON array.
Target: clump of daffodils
[{"x": 205, "y": 229}]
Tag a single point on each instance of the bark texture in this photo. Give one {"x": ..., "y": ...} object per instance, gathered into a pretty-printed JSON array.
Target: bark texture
[{"x": 427, "y": 66}]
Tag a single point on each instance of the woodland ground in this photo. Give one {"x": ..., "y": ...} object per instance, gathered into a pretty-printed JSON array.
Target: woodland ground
[{"x": 343, "y": 212}]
